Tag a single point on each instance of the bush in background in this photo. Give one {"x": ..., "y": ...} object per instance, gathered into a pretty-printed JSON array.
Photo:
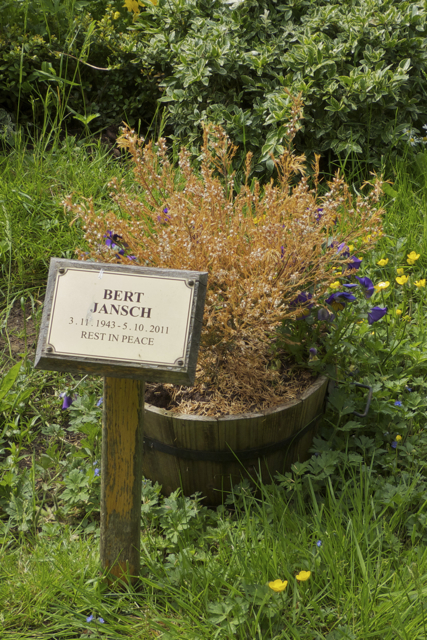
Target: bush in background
[{"x": 359, "y": 65}]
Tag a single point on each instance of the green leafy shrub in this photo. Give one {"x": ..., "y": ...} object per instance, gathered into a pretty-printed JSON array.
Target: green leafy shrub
[{"x": 359, "y": 66}]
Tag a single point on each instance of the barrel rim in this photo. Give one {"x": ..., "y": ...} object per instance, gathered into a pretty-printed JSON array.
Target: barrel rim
[{"x": 317, "y": 384}]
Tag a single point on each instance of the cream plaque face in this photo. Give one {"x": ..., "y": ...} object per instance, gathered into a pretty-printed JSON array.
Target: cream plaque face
[{"x": 129, "y": 318}]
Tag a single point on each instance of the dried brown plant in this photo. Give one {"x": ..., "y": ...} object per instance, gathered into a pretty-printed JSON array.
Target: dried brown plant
[{"x": 262, "y": 246}]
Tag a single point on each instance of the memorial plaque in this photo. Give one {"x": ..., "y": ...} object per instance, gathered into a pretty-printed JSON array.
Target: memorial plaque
[{"x": 122, "y": 321}]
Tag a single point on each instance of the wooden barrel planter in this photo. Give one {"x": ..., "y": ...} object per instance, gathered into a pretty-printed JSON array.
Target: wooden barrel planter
[{"x": 210, "y": 455}]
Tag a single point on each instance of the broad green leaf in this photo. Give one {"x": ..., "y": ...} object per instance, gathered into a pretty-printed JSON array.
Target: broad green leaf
[
  {"x": 86, "y": 119},
  {"x": 8, "y": 380},
  {"x": 389, "y": 190}
]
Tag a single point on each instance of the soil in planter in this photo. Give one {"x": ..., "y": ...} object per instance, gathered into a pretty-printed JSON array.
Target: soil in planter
[{"x": 210, "y": 402}]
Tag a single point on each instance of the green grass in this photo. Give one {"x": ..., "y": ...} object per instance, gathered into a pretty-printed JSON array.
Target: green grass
[
  {"x": 407, "y": 209},
  {"x": 33, "y": 184},
  {"x": 365, "y": 583}
]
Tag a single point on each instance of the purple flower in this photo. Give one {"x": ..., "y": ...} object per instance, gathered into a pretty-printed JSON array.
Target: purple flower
[
  {"x": 112, "y": 239},
  {"x": 282, "y": 252},
  {"x": 100, "y": 401},
  {"x": 342, "y": 296},
  {"x": 369, "y": 286},
  {"x": 376, "y": 313},
  {"x": 96, "y": 472},
  {"x": 354, "y": 263},
  {"x": 398, "y": 403},
  {"x": 319, "y": 543},
  {"x": 313, "y": 351},
  {"x": 394, "y": 444},
  {"x": 343, "y": 249},
  {"x": 408, "y": 389},
  {"x": 350, "y": 286},
  {"x": 90, "y": 618},
  {"x": 300, "y": 299},
  {"x": 165, "y": 210},
  {"x": 68, "y": 400},
  {"x": 319, "y": 214}
]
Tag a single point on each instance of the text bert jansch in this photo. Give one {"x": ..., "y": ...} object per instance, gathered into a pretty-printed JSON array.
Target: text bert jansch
[{"x": 120, "y": 310}]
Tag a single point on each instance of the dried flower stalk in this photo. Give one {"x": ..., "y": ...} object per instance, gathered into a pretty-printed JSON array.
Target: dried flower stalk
[{"x": 261, "y": 246}]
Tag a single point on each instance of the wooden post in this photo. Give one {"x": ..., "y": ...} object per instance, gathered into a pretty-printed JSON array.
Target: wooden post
[{"x": 121, "y": 477}]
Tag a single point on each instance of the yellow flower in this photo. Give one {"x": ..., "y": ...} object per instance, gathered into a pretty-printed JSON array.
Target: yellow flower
[
  {"x": 381, "y": 285},
  {"x": 420, "y": 283},
  {"x": 399, "y": 312},
  {"x": 116, "y": 15},
  {"x": 400, "y": 272},
  {"x": 407, "y": 318},
  {"x": 302, "y": 576},
  {"x": 402, "y": 280},
  {"x": 132, "y": 5},
  {"x": 398, "y": 438},
  {"x": 335, "y": 284},
  {"x": 350, "y": 247},
  {"x": 383, "y": 262},
  {"x": 412, "y": 257},
  {"x": 257, "y": 220},
  {"x": 337, "y": 306},
  {"x": 278, "y": 585}
]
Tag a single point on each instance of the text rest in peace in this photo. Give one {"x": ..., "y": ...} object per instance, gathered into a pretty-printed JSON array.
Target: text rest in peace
[{"x": 114, "y": 337}]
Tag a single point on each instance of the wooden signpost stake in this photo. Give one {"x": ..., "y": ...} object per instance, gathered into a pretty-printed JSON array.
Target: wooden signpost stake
[
  {"x": 129, "y": 324},
  {"x": 121, "y": 476}
]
